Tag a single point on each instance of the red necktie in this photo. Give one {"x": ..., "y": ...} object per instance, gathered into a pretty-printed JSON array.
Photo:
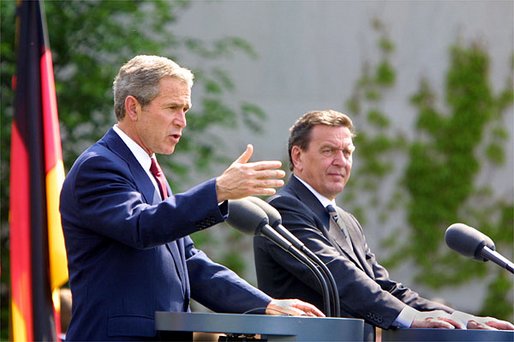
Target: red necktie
[{"x": 156, "y": 171}]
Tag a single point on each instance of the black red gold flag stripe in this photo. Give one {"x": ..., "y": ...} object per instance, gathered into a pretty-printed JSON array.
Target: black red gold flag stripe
[{"x": 37, "y": 253}]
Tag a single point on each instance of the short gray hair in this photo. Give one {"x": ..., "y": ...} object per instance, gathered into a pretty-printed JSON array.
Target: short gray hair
[{"x": 140, "y": 78}]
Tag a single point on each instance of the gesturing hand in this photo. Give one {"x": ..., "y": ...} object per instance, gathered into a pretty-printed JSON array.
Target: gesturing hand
[{"x": 243, "y": 179}]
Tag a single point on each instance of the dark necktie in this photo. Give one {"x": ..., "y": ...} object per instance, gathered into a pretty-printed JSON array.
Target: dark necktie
[
  {"x": 339, "y": 224},
  {"x": 156, "y": 171}
]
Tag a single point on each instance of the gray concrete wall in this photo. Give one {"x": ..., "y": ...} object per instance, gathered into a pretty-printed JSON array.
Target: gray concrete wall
[{"x": 310, "y": 54}]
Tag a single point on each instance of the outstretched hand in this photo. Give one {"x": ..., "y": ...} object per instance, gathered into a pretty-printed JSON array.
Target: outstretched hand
[
  {"x": 242, "y": 179},
  {"x": 293, "y": 307}
]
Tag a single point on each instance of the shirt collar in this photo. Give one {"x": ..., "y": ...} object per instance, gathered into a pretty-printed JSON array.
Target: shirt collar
[
  {"x": 142, "y": 157},
  {"x": 323, "y": 200}
]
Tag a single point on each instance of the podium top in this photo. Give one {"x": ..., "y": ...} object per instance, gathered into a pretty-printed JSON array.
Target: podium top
[
  {"x": 447, "y": 335},
  {"x": 297, "y": 328}
]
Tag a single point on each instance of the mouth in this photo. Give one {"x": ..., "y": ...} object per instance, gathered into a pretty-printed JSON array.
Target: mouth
[
  {"x": 336, "y": 174},
  {"x": 175, "y": 137}
]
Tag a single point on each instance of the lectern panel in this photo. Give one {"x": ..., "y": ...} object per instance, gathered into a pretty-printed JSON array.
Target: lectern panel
[
  {"x": 447, "y": 335},
  {"x": 275, "y": 328}
]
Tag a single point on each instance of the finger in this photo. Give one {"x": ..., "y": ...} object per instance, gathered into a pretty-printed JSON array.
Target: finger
[
  {"x": 264, "y": 184},
  {"x": 265, "y": 165},
  {"x": 283, "y": 307},
  {"x": 478, "y": 326},
  {"x": 452, "y": 322},
  {"x": 263, "y": 192},
  {"x": 310, "y": 309},
  {"x": 270, "y": 174},
  {"x": 501, "y": 325},
  {"x": 440, "y": 324},
  {"x": 431, "y": 322},
  {"x": 247, "y": 154}
]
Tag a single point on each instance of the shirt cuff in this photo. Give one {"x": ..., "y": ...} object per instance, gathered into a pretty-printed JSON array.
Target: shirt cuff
[
  {"x": 405, "y": 318},
  {"x": 223, "y": 207}
]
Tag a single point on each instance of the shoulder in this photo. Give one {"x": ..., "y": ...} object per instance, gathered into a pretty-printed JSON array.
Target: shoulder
[
  {"x": 96, "y": 167},
  {"x": 98, "y": 157}
]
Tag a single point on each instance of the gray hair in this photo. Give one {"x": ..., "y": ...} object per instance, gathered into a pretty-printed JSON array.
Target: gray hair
[
  {"x": 301, "y": 130},
  {"x": 140, "y": 78}
]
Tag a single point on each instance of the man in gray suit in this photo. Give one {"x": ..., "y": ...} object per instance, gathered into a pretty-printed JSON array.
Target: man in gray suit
[{"x": 321, "y": 151}]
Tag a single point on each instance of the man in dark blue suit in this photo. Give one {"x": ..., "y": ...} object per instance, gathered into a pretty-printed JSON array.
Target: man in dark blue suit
[
  {"x": 321, "y": 156},
  {"x": 129, "y": 253}
]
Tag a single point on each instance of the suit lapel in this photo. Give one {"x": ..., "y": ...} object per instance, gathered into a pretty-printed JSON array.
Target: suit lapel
[
  {"x": 150, "y": 194},
  {"x": 113, "y": 142},
  {"x": 357, "y": 240},
  {"x": 306, "y": 196}
]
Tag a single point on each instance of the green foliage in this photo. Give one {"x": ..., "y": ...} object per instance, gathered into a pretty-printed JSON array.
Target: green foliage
[
  {"x": 438, "y": 185},
  {"x": 378, "y": 143},
  {"x": 446, "y": 162},
  {"x": 90, "y": 40}
]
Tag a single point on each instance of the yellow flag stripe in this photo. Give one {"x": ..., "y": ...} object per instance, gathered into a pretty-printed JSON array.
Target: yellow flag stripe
[
  {"x": 57, "y": 250},
  {"x": 19, "y": 326}
]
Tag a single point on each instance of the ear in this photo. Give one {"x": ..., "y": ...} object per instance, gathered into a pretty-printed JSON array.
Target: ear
[
  {"x": 296, "y": 157},
  {"x": 132, "y": 108}
]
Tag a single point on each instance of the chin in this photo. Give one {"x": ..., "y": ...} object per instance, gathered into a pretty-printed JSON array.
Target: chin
[{"x": 168, "y": 150}]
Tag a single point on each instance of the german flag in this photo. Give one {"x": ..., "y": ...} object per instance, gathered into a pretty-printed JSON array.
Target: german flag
[{"x": 37, "y": 253}]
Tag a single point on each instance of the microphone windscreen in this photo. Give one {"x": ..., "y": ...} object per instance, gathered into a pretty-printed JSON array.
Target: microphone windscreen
[
  {"x": 245, "y": 216},
  {"x": 467, "y": 241},
  {"x": 274, "y": 216}
]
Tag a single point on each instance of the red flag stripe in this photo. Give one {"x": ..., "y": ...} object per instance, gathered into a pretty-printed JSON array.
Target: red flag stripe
[
  {"x": 53, "y": 153},
  {"x": 21, "y": 277}
]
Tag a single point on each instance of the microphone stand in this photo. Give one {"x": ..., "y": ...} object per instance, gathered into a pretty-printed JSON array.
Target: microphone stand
[
  {"x": 497, "y": 258},
  {"x": 315, "y": 259},
  {"x": 281, "y": 242},
  {"x": 275, "y": 221}
]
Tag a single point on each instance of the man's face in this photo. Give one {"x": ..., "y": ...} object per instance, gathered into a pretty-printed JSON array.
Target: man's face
[
  {"x": 160, "y": 123},
  {"x": 326, "y": 164}
]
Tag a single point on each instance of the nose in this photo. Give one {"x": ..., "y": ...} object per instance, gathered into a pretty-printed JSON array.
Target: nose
[
  {"x": 340, "y": 159},
  {"x": 180, "y": 119}
]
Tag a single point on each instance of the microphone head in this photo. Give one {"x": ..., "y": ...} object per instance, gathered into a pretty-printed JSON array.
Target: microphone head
[
  {"x": 246, "y": 217},
  {"x": 274, "y": 216},
  {"x": 467, "y": 241}
]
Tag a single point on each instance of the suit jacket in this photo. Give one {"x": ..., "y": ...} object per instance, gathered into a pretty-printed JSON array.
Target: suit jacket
[
  {"x": 364, "y": 286},
  {"x": 129, "y": 253}
]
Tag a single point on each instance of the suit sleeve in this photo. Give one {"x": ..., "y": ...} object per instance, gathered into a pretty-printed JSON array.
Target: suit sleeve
[
  {"x": 211, "y": 282},
  {"x": 103, "y": 195},
  {"x": 397, "y": 289},
  {"x": 374, "y": 300}
]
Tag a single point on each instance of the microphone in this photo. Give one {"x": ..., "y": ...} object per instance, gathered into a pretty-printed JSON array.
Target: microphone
[
  {"x": 275, "y": 220},
  {"x": 249, "y": 218},
  {"x": 472, "y": 243}
]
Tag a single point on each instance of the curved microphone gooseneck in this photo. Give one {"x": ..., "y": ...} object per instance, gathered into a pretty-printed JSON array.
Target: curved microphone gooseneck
[
  {"x": 249, "y": 218},
  {"x": 275, "y": 220}
]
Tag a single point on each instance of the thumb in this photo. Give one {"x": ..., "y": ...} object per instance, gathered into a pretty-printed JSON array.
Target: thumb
[{"x": 247, "y": 154}]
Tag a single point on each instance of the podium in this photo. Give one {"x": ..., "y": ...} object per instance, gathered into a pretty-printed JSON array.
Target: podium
[
  {"x": 447, "y": 335},
  {"x": 271, "y": 328}
]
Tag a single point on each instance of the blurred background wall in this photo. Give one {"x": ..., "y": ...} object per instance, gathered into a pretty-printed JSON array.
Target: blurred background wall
[{"x": 310, "y": 54}]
